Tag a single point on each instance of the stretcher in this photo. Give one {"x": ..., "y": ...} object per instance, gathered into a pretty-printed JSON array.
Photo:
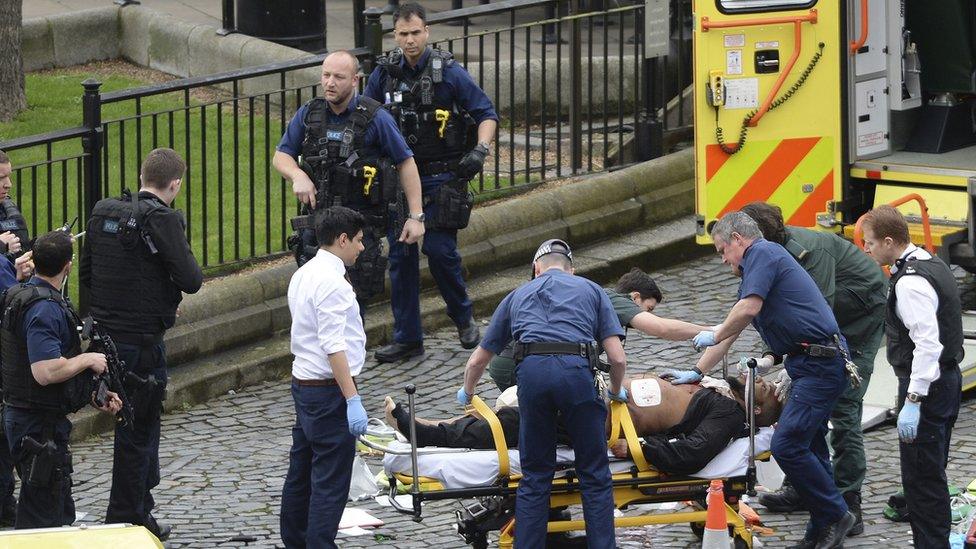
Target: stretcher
[{"x": 634, "y": 482}]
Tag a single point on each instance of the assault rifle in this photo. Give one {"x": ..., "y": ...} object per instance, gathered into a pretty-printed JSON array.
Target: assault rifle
[{"x": 113, "y": 376}]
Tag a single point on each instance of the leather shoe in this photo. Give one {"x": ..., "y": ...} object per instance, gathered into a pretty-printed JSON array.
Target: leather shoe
[
  {"x": 161, "y": 531},
  {"x": 832, "y": 537},
  {"x": 853, "y": 500},
  {"x": 470, "y": 335},
  {"x": 784, "y": 500},
  {"x": 395, "y": 352}
]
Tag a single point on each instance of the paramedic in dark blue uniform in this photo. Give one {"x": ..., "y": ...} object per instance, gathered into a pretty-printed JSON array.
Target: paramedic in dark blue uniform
[
  {"x": 793, "y": 318},
  {"x": 556, "y": 319},
  {"x": 449, "y": 123},
  {"x": 382, "y": 139}
]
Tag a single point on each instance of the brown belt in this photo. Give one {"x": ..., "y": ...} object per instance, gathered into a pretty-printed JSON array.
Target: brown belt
[{"x": 314, "y": 382}]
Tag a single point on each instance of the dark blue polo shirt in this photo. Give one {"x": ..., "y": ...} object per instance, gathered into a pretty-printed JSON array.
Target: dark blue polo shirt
[
  {"x": 555, "y": 307},
  {"x": 46, "y": 328},
  {"x": 457, "y": 87},
  {"x": 383, "y": 137},
  {"x": 793, "y": 311},
  {"x": 8, "y": 273}
]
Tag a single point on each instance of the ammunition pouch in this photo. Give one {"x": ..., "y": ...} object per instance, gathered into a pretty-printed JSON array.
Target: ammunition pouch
[
  {"x": 368, "y": 275},
  {"x": 454, "y": 203}
]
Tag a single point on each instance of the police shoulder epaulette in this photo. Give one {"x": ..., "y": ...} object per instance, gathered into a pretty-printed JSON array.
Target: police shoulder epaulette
[{"x": 795, "y": 249}]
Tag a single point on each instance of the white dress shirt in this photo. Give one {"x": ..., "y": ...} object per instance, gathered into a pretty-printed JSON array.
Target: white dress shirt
[
  {"x": 324, "y": 318},
  {"x": 916, "y": 306}
]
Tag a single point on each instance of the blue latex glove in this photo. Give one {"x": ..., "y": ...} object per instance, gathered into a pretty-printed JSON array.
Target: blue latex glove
[
  {"x": 621, "y": 396},
  {"x": 356, "y": 415},
  {"x": 463, "y": 397},
  {"x": 908, "y": 418},
  {"x": 705, "y": 338},
  {"x": 681, "y": 377}
]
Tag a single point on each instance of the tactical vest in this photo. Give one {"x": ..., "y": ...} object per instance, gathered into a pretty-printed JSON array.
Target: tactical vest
[
  {"x": 334, "y": 156},
  {"x": 13, "y": 221},
  {"x": 435, "y": 132},
  {"x": 131, "y": 290},
  {"x": 19, "y": 386},
  {"x": 949, "y": 313}
]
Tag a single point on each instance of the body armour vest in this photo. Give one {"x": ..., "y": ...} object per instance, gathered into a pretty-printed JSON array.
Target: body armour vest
[
  {"x": 13, "y": 221},
  {"x": 434, "y": 131},
  {"x": 949, "y": 313},
  {"x": 335, "y": 157},
  {"x": 19, "y": 386},
  {"x": 131, "y": 290}
]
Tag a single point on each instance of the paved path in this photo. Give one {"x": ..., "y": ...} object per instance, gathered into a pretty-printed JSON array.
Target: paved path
[{"x": 224, "y": 463}]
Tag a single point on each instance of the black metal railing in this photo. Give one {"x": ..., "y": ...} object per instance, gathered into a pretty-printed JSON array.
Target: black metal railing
[{"x": 572, "y": 89}]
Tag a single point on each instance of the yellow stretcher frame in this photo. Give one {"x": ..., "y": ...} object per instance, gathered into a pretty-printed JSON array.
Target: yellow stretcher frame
[{"x": 642, "y": 484}]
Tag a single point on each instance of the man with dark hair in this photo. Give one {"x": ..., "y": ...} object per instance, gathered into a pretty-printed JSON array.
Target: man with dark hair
[
  {"x": 785, "y": 306},
  {"x": 855, "y": 287},
  {"x": 45, "y": 378},
  {"x": 924, "y": 345},
  {"x": 343, "y": 149},
  {"x": 555, "y": 321},
  {"x": 633, "y": 298},
  {"x": 450, "y": 124},
  {"x": 137, "y": 264},
  {"x": 14, "y": 236},
  {"x": 329, "y": 344}
]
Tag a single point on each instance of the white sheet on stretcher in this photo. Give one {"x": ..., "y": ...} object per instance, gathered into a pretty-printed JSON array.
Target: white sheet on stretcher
[{"x": 480, "y": 467}]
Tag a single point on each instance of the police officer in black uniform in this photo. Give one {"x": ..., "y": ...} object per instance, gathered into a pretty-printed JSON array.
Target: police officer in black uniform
[
  {"x": 344, "y": 150},
  {"x": 45, "y": 377},
  {"x": 136, "y": 263},
  {"x": 449, "y": 123}
]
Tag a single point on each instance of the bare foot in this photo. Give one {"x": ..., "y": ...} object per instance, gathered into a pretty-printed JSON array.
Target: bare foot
[{"x": 390, "y": 405}]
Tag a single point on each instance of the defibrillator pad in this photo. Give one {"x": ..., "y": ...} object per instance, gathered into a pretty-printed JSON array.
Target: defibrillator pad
[{"x": 645, "y": 392}]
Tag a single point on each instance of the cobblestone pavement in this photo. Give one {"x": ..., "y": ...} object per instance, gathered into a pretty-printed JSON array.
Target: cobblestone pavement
[{"x": 224, "y": 463}]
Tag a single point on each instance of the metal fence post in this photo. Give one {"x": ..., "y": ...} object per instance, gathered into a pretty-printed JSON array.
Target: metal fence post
[
  {"x": 650, "y": 130},
  {"x": 227, "y": 26},
  {"x": 576, "y": 90},
  {"x": 358, "y": 23},
  {"x": 92, "y": 145}
]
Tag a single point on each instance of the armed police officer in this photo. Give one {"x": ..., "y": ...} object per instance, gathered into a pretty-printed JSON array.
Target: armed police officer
[
  {"x": 557, "y": 320},
  {"x": 14, "y": 236},
  {"x": 345, "y": 150},
  {"x": 45, "y": 378},
  {"x": 785, "y": 306},
  {"x": 136, "y": 264},
  {"x": 449, "y": 123}
]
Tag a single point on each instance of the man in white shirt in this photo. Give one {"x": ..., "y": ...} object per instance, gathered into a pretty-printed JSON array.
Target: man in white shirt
[
  {"x": 924, "y": 329},
  {"x": 329, "y": 344}
]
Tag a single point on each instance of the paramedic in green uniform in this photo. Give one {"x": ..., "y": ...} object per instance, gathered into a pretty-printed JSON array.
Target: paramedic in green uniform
[
  {"x": 634, "y": 297},
  {"x": 856, "y": 289}
]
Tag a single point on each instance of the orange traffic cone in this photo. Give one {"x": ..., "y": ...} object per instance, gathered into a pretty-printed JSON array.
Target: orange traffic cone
[{"x": 716, "y": 521}]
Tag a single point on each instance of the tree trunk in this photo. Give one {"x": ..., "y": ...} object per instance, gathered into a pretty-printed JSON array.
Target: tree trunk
[{"x": 12, "y": 97}]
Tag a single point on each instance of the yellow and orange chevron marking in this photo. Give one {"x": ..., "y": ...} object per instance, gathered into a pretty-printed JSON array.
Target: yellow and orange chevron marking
[{"x": 774, "y": 172}]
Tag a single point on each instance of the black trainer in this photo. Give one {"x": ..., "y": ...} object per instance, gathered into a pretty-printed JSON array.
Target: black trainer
[
  {"x": 784, "y": 500},
  {"x": 161, "y": 531},
  {"x": 395, "y": 352},
  {"x": 853, "y": 500},
  {"x": 469, "y": 335},
  {"x": 832, "y": 537}
]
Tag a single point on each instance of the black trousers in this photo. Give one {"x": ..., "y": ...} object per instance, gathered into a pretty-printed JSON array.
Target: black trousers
[
  {"x": 48, "y": 503},
  {"x": 467, "y": 432},
  {"x": 923, "y": 462}
]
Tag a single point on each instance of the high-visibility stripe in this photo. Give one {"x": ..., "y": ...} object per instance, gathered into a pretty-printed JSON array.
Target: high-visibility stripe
[
  {"x": 777, "y": 166},
  {"x": 809, "y": 172},
  {"x": 806, "y": 214},
  {"x": 715, "y": 158}
]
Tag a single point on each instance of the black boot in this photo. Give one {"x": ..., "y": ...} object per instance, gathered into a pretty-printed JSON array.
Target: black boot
[
  {"x": 395, "y": 352},
  {"x": 853, "y": 500},
  {"x": 469, "y": 335},
  {"x": 784, "y": 500},
  {"x": 161, "y": 531},
  {"x": 832, "y": 537}
]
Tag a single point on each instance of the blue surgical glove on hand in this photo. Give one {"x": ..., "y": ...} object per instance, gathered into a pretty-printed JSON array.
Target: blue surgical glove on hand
[
  {"x": 705, "y": 338},
  {"x": 621, "y": 396},
  {"x": 356, "y": 415},
  {"x": 463, "y": 397},
  {"x": 908, "y": 418},
  {"x": 681, "y": 377}
]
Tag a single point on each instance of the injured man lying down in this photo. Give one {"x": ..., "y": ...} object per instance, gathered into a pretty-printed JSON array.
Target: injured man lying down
[{"x": 682, "y": 427}]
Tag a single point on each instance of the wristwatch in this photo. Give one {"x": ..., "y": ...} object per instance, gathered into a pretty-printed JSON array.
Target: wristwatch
[
  {"x": 421, "y": 217},
  {"x": 915, "y": 397}
]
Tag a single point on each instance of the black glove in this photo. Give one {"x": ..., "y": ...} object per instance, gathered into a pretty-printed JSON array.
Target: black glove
[{"x": 472, "y": 163}]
